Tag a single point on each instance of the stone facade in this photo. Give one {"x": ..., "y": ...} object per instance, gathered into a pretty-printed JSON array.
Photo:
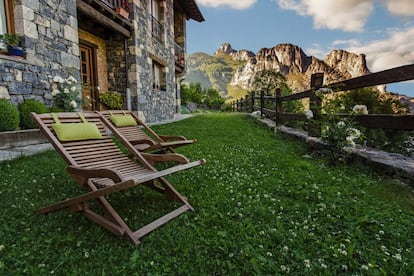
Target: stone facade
[
  {"x": 51, "y": 47},
  {"x": 52, "y": 33}
]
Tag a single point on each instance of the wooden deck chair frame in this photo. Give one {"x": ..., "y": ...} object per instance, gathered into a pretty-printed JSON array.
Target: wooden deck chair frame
[
  {"x": 143, "y": 137},
  {"x": 99, "y": 165}
]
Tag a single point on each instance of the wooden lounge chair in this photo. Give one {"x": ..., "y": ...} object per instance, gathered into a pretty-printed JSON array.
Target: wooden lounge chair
[
  {"x": 96, "y": 162},
  {"x": 142, "y": 136}
]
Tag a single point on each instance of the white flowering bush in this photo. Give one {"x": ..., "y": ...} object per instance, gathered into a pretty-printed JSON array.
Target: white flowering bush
[
  {"x": 336, "y": 131},
  {"x": 67, "y": 93}
]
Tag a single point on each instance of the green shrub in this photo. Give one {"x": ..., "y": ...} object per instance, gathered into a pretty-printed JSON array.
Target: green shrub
[
  {"x": 56, "y": 109},
  {"x": 111, "y": 100},
  {"x": 30, "y": 105},
  {"x": 9, "y": 116}
]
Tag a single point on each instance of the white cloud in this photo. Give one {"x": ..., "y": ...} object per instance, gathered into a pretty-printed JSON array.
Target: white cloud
[
  {"x": 348, "y": 43},
  {"x": 346, "y": 15},
  {"x": 400, "y": 7},
  {"x": 234, "y": 4},
  {"x": 316, "y": 50},
  {"x": 396, "y": 50}
]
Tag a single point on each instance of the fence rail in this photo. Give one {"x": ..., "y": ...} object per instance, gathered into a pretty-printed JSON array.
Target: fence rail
[{"x": 254, "y": 102}]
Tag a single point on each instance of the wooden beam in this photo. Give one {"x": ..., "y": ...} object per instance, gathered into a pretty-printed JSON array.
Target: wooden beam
[
  {"x": 398, "y": 74},
  {"x": 104, "y": 20}
]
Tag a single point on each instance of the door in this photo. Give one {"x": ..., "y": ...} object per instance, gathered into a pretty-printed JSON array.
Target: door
[{"x": 88, "y": 77}]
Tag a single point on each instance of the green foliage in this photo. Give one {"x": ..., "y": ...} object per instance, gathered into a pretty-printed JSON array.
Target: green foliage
[
  {"x": 112, "y": 100},
  {"x": 56, "y": 109},
  {"x": 268, "y": 81},
  {"x": 30, "y": 105},
  {"x": 261, "y": 208},
  {"x": 212, "y": 99},
  {"x": 9, "y": 116},
  {"x": 10, "y": 39},
  {"x": 193, "y": 93},
  {"x": 376, "y": 103}
]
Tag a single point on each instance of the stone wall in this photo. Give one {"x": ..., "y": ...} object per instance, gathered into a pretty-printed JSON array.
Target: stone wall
[
  {"x": 51, "y": 46},
  {"x": 154, "y": 104},
  {"x": 116, "y": 68}
]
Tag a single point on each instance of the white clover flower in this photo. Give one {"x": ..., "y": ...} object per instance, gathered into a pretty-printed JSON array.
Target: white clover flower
[
  {"x": 66, "y": 91},
  {"x": 397, "y": 257},
  {"x": 308, "y": 114},
  {"x": 306, "y": 263},
  {"x": 73, "y": 104},
  {"x": 364, "y": 267},
  {"x": 360, "y": 109},
  {"x": 341, "y": 124},
  {"x": 73, "y": 88}
]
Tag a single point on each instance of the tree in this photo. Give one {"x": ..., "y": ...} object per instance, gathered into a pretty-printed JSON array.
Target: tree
[{"x": 268, "y": 81}]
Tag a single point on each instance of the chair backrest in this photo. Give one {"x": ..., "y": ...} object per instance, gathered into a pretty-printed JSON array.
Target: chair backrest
[
  {"x": 92, "y": 153},
  {"x": 134, "y": 133}
]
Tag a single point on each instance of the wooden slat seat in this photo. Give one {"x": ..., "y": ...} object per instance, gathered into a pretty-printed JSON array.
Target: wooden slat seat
[
  {"x": 143, "y": 137},
  {"x": 103, "y": 168}
]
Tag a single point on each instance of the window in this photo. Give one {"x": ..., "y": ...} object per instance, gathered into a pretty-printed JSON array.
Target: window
[
  {"x": 156, "y": 17},
  {"x": 158, "y": 80},
  {"x": 6, "y": 17}
]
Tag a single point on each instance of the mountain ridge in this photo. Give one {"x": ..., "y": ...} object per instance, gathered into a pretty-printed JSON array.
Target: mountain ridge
[{"x": 238, "y": 67}]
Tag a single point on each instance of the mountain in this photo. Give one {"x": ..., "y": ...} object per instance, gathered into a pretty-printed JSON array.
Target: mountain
[{"x": 232, "y": 71}]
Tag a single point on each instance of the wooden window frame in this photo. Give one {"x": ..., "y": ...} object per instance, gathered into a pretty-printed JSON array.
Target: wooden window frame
[
  {"x": 9, "y": 7},
  {"x": 161, "y": 76}
]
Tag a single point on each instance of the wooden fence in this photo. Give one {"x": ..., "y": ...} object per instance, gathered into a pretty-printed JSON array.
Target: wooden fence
[{"x": 254, "y": 102}]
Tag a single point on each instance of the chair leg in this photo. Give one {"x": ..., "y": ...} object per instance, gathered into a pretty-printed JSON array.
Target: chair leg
[{"x": 172, "y": 194}]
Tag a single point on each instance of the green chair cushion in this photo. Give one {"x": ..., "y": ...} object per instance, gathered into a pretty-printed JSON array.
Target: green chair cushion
[
  {"x": 76, "y": 131},
  {"x": 123, "y": 120}
]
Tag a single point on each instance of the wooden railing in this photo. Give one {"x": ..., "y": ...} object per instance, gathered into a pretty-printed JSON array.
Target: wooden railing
[
  {"x": 117, "y": 3},
  {"x": 157, "y": 30},
  {"x": 179, "y": 55},
  {"x": 254, "y": 102}
]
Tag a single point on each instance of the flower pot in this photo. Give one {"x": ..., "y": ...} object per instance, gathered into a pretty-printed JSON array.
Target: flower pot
[
  {"x": 121, "y": 11},
  {"x": 15, "y": 51}
]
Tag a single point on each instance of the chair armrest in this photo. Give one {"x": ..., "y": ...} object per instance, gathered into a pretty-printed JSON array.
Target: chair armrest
[
  {"x": 143, "y": 141},
  {"x": 166, "y": 157},
  {"x": 172, "y": 138},
  {"x": 84, "y": 174}
]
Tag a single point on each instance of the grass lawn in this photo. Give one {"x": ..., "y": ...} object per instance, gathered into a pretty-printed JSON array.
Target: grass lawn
[{"x": 262, "y": 207}]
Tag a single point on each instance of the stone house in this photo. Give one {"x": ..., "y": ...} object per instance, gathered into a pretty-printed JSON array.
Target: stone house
[{"x": 134, "y": 47}]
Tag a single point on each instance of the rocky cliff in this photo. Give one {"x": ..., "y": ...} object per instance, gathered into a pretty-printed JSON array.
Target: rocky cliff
[{"x": 229, "y": 68}]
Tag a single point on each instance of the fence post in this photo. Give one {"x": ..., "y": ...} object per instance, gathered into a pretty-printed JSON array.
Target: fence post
[
  {"x": 315, "y": 105},
  {"x": 278, "y": 106},
  {"x": 247, "y": 103},
  {"x": 252, "y": 106},
  {"x": 237, "y": 105},
  {"x": 262, "y": 93},
  {"x": 241, "y": 104}
]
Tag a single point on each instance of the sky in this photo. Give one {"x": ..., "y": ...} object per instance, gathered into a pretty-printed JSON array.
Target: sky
[{"x": 383, "y": 30}]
